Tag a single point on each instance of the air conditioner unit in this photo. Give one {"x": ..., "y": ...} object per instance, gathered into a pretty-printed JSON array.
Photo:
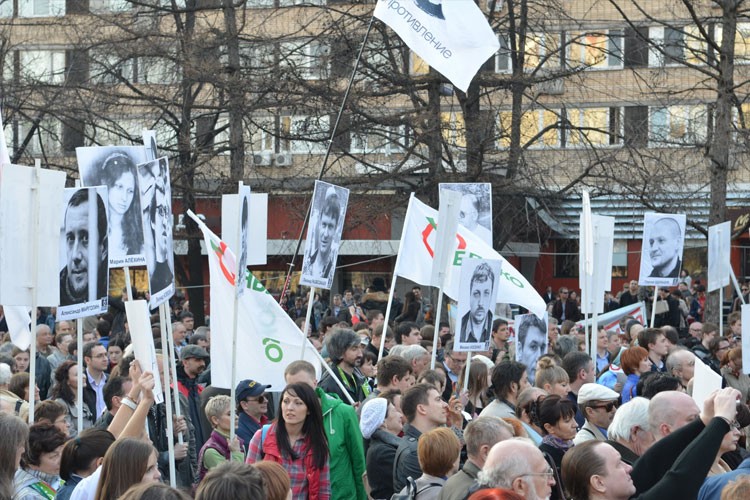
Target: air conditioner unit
[
  {"x": 283, "y": 160},
  {"x": 261, "y": 159}
]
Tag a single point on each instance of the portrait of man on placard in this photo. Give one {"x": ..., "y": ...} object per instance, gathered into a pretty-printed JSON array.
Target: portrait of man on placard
[
  {"x": 156, "y": 198},
  {"x": 324, "y": 235},
  {"x": 244, "y": 221},
  {"x": 84, "y": 253},
  {"x": 475, "y": 213},
  {"x": 661, "y": 257},
  {"x": 531, "y": 341},
  {"x": 478, "y": 294}
]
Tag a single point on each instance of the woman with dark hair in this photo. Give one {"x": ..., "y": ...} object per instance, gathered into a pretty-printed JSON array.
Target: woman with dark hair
[
  {"x": 127, "y": 462},
  {"x": 479, "y": 382},
  {"x": 19, "y": 385},
  {"x": 80, "y": 458},
  {"x": 410, "y": 310},
  {"x": 15, "y": 435},
  {"x": 21, "y": 357},
  {"x": 65, "y": 392},
  {"x": 556, "y": 417},
  {"x": 39, "y": 476},
  {"x": 297, "y": 440},
  {"x": 125, "y": 220},
  {"x": 115, "y": 348},
  {"x": 153, "y": 491}
]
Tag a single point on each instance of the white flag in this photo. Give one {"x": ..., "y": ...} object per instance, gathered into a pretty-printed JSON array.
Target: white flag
[
  {"x": 267, "y": 338},
  {"x": 416, "y": 254},
  {"x": 19, "y": 320},
  {"x": 453, "y": 37}
]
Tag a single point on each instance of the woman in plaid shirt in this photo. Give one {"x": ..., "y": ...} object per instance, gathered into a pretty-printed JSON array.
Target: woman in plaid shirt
[{"x": 297, "y": 441}]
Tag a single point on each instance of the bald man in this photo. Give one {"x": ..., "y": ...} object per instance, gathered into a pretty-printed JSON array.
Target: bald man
[
  {"x": 681, "y": 364},
  {"x": 670, "y": 410},
  {"x": 665, "y": 248},
  {"x": 518, "y": 465}
]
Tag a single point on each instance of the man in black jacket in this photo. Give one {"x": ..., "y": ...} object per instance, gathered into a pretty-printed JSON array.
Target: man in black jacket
[{"x": 345, "y": 351}]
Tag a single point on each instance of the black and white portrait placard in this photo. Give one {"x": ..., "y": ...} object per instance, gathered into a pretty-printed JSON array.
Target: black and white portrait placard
[
  {"x": 531, "y": 341},
  {"x": 476, "y": 207},
  {"x": 661, "y": 253},
  {"x": 244, "y": 211},
  {"x": 156, "y": 200},
  {"x": 324, "y": 234},
  {"x": 719, "y": 243},
  {"x": 478, "y": 289},
  {"x": 84, "y": 269},
  {"x": 115, "y": 168}
]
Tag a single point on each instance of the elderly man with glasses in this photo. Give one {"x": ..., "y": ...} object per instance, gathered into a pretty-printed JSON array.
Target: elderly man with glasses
[
  {"x": 516, "y": 464},
  {"x": 598, "y": 405}
]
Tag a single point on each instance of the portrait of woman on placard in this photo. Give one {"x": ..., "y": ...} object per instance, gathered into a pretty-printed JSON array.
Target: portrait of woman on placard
[{"x": 125, "y": 224}]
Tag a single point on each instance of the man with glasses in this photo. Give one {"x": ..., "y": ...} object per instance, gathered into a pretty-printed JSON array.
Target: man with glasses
[
  {"x": 681, "y": 364},
  {"x": 565, "y": 307},
  {"x": 598, "y": 405},
  {"x": 95, "y": 357},
  {"x": 517, "y": 465},
  {"x": 252, "y": 406},
  {"x": 452, "y": 366}
]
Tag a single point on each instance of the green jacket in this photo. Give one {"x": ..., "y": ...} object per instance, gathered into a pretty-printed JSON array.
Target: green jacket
[{"x": 345, "y": 448}]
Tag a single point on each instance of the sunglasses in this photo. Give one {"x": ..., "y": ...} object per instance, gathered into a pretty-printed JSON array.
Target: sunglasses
[
  {"x": 260, "y": 399},
  {"x": 608, "y": 407}
]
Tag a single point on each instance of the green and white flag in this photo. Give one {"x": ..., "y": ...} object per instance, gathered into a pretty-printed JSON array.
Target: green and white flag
[{"x": 267, "y": 338}]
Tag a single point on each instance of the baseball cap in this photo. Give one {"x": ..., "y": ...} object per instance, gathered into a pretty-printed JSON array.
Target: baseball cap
[
  {"x": 249, "y": 389},
  {"x": 194, "y": 351}
]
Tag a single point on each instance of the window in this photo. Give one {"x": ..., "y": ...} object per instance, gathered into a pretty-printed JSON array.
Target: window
[
  {"x": 379, "y": 139},
  {"x": 291, "y": 3},
  {"x": 107, "y": 68},
  {"x": 595, "y": 50},
  {"x": 306, "y": 58},
  {"x": 566, "y": 258},
  {"x": 453, "y": 128},
  {"x": 503, "y": 63},
  {"x": 259, "y": 4},
  {"x": 6, "y": 8},
  {"x": 41, "y": 8},
  {"x": 46, "y": 66},
  {"x": 620, "y": 259},
  {"x": 678, "y": 126},
  {"x": 257, "y": 56},
  {"x": 417, "y": 65},
  {"x": 103, "y": 6},
  {"x": 741, "y": 42},
  {"x": 157, "y": 71},
  {"x": 593, "y": 126},
  {"x": 117, "y": 132},
  {"x": 671, "y": 46},
  {"x": 304, "y": 134},
  {"x": 542, "y": 50},
  {"x": 46, "y": 139},
  {"x": 261, "y": 134},
  {"x": 532, "y": 124}
]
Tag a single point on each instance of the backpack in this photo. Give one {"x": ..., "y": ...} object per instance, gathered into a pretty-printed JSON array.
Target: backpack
[{"x": 411, "y": 490}]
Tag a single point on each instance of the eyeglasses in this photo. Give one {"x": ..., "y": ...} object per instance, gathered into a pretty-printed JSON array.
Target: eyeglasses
[
  {"x": 736, "y": 424},
  {"x": 458, "y": 361},
  {"x": 608, "y": 407},
  {"x": 549, "y": 474},
  {"x": 260, "y": 399}
]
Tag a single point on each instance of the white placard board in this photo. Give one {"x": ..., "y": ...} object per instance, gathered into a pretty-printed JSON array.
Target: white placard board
[
  {"x": 603, "y": 229},
  {"x": 478, "y": 297},
  {"x": 139, "y": 322},
  {"x": 745, "y": 308},
  {"x": 475, "y": 212},
  {"x": 532, "y": 338},
  {"x": 257, "y": 248},
  {"x": 19, "y": 234},
  {"x": 719, "y": 242},
  {"x": 705, "y": 381}
]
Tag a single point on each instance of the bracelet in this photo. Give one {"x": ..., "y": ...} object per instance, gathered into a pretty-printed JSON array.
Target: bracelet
[{"x": 129, "y": 403}]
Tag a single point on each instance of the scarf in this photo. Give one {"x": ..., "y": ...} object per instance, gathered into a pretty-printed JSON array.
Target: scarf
[{"x": 556, "y": 442}]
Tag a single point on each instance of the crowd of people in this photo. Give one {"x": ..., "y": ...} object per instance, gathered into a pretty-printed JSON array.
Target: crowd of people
[{"x": 622, "y": 425}]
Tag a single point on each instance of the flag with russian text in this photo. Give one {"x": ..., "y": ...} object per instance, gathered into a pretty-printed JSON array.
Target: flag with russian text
[
  {"x": 267, "y": 338},
  {"x": 453, "y": 37}
]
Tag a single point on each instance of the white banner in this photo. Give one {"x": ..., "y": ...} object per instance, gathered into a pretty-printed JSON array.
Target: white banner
[
  {"x": 19, "y": 234},
  {"x": 603, "y": 240},
  {"x": 416, "y": 254},
  {"x": 139, "y": 322},
  {"x": 267, "y": 338},
  {"x": 611, "y": 320},
  {"x": 19, "y": 321},
  {"x": 453, "y": 37},
  {"x": 719, "y": 243}
]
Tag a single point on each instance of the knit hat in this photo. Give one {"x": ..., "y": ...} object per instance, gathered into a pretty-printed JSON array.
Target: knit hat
[
  {"x": 373, "y": 416},
  {"x": 484, "y": 359}
]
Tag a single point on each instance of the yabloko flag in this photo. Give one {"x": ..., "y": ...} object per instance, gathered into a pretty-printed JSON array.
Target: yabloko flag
[
  {"x": 267, "y": 338},
  {"x": 416, "y": 253}
]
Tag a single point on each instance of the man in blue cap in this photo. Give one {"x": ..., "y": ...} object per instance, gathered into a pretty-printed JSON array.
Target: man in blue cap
[{"x": 252, "y": 406}]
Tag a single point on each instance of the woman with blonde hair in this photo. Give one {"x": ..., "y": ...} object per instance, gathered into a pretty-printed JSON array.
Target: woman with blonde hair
[{"x": 552, "y": 378}]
